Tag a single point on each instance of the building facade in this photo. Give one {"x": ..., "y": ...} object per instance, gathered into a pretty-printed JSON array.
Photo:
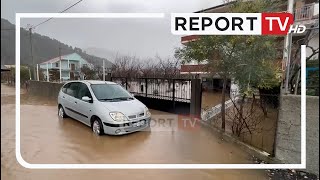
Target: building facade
[
  {"x": 306, "y": 12},
  {"x": 69, "y": 65}
]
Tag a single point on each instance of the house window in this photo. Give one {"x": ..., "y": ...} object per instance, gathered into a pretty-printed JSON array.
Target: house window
[{"x": 57, "y": 64}]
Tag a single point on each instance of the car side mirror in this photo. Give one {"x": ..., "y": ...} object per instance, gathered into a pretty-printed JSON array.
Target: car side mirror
[
  {"x": 132, "y": 94},
  {"x": 87, "y": 99}
]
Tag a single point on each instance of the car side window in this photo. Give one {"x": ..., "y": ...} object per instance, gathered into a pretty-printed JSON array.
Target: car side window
[
  {"x": 83, "y": 91},
  {"x": 73, "y": 89},
  {"x": 65, "y": 87}
]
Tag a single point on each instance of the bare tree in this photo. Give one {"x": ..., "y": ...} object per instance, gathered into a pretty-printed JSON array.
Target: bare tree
[
  {"x": 148, "y": 68},
  {"x": 88, "y": 73},
  {"x": 126, "y": 66},
  {"x": 158, "y": 67},
  {"x": 169, "y": 67}
]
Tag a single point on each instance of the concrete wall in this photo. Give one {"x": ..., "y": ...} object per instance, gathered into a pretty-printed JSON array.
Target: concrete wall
[
  {"x": 288, "y": 140},
  {"x": 49, "y": 90}
]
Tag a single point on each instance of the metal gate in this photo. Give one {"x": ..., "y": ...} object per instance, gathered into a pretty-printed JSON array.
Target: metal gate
[{"x": 175, "y": 93}]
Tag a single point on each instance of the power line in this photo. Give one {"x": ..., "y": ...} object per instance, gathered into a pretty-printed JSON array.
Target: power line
[{"x": 32, "y": 27}]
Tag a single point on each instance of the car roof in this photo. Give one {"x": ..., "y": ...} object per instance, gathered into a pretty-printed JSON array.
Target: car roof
[{"x": 89, "y": 82}]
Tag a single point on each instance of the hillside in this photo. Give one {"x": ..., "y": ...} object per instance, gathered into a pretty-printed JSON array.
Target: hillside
[{"x": 44, "y": 47}]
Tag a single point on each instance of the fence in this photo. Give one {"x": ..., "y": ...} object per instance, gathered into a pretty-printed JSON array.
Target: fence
[
  {"x": 306, "y": 12},
  {"x": 158, "y": 88},
  {"x": 174, "y": 95}
]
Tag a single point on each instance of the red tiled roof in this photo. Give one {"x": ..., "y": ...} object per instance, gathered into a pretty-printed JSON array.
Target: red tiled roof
[
  {"x": 57, "y": 59},
  {"x": 186, "y": 39},
  {"x": 193, "y": 68}
]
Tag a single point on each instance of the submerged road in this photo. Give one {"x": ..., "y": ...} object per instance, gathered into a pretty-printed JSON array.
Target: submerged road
[{"x": 47, "y": 139}]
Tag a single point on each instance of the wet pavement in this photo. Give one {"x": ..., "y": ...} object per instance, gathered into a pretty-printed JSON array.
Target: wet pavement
[{"x": 47, "y": 139}]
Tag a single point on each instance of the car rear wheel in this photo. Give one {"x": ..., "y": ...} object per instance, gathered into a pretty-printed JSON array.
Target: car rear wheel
[
  {"x": 97, "y": 127},
  {"x": 61, "y": 112}
]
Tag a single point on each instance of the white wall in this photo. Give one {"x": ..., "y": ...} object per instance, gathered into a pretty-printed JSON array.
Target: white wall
[
  {"x": 316, "y": 9},
  {"x": 196, "y": 62}
]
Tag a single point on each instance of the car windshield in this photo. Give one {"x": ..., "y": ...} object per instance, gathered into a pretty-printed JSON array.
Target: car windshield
[{"x": 110, "y": 92}]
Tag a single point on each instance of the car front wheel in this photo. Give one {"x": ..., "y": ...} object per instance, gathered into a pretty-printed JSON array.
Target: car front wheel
[
  {"x": 61, "y": 112},
  {"x": 97, "y": 127}
]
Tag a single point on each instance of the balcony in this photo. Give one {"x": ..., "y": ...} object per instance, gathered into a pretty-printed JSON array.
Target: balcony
[
  {"x": 307, "y": 12},
  {"x": 73, "y": 69}
]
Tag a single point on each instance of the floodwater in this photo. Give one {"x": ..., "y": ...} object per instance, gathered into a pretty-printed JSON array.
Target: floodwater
[
  {"x": 210, "y": 99},
  {"x": 47, "y": 139}
]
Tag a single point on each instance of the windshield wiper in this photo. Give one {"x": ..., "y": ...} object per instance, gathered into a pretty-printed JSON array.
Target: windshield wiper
[
  {"x": 119, "y": 98},
  {"x": 105, "y": 99},
  {"x": 124, "y": 98}
]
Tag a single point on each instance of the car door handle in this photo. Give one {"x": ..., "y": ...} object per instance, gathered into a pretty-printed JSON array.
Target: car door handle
[
  {"x": 62, "y": 96},
  {"x": 75, "y": 102}
]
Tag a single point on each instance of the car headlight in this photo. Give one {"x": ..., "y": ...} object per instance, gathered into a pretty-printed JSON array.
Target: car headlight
[
  {"x": 118, "y": 116},
  {"x": 147, "y": 112}
]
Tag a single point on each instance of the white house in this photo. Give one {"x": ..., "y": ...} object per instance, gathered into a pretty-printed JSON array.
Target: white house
[{"x": 70, "y": 66}]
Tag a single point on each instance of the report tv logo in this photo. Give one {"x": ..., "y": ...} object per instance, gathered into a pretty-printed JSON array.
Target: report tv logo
[{"x": 234, "y": 24}]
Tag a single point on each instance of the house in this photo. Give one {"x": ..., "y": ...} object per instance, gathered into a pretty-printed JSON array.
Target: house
[
  {"x": 70, "y": 66},
  {"x": 306, "y": 12},
  {"x": 210, "y": 81}
]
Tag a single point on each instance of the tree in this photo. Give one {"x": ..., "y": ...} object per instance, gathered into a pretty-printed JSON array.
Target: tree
[
  {"x": 126, "y": 66},
  {"x": 88, "y": 73},
  {"x": 24, "y": 75},
  {"x": 243, "y": 58},
  {"x": 54, "y": 75},
  {"x": 99, "y": 71},
  {"x": 257, "y": 65},
  {"x": 168, "y": 67},
  {"x": 42, "y": 75},
  {"x": 148, "y": 68}
]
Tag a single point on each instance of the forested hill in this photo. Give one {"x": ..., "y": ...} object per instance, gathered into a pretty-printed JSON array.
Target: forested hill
[{"x": 44, "y": 48}]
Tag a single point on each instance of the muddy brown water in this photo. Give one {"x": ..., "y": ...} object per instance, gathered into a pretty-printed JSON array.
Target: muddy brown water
[
  {"x": 47, "y": 139},
  {"x": 210, "y": 99}
]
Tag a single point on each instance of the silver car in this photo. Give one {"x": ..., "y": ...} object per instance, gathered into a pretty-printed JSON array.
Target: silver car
[{"x": 104, "y": 106}]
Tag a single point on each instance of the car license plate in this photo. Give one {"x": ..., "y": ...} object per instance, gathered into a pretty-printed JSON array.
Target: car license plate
[{"x": 137, "y": 124}]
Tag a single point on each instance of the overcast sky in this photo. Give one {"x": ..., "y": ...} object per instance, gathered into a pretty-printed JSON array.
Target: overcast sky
[{"x": 140, "y": 37}]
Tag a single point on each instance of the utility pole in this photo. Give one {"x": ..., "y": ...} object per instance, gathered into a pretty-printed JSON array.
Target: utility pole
[
  {"x": 37, "y": 72},
  {"x": 31, "y": 51},
  {"x": 287, "y": 49},
  {"x": 60, "y": 62},
  {"x": 104, "y": 70},
  {"x": 29, "y": 73},
  {"x": 48, "y": 75}
]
